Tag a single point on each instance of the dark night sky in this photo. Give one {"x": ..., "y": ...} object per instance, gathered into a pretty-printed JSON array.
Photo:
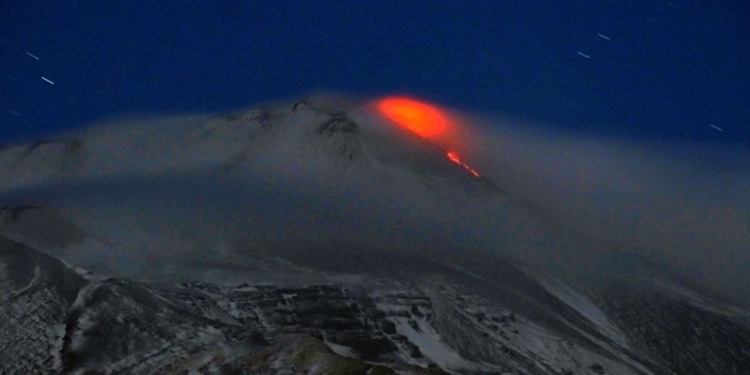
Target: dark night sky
[{"x": 668, "y": 70}]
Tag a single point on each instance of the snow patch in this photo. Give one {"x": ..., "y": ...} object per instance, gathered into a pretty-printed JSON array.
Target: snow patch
[
  {"x": 699, "y": 300},
  {"x": 429, "y": 343},
  {"x": 57, "y": 337},
  {"x": 83, "y": 294},
  {"x": 582, "y": 304},
  {"x": 342, "y": 350},
  {"x": 31, "y": 283},
  {"x": 85, "y": 322},
  {"x": 211, "y": 335}
]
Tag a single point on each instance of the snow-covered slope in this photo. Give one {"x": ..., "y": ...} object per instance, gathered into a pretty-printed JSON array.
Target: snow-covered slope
[
  {"x": 151, "y": 190},
  {"x": 61, "y": 319},
  {"x": 316, "y": 237}
]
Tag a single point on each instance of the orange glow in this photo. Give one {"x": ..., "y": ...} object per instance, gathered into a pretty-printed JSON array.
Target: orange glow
[
  {"x": 424, "y": 119},
  {"x": 452, "y": 156},
  {"x": 427, "y": 121}
]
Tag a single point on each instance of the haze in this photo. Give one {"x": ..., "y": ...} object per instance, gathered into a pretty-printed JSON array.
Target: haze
[{"x": 198, "y": 193}]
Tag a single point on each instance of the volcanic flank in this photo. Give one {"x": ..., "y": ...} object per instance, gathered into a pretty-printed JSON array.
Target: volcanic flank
[
  {"x": 314, "y": 171},
  {"x": 331, "y": 234},
  {"x": 326, "y": 175}
]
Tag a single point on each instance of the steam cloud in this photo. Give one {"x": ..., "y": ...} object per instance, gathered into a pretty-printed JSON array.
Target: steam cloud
[{"x": 215, "y": 193}]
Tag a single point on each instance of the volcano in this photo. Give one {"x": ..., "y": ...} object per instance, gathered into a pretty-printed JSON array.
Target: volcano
[{"x": 322, "y": 236}]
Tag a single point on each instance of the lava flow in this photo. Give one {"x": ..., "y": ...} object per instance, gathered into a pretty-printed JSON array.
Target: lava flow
[
  {"x": 454, "y": 158},
  {"x": 426, "y": 120}
]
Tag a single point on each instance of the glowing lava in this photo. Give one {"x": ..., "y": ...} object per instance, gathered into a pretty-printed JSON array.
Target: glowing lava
[
  {"x": 426, "y": 120},
  {"x": 454, "y": 158}
]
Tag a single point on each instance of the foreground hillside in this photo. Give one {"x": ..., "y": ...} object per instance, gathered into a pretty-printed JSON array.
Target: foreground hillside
[{"x": 61, "y": 319}]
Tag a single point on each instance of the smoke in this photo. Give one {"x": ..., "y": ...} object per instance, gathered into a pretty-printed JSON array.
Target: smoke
[
  {"x": 684, "y": 205},
  {"x": 260, "y": 187}
]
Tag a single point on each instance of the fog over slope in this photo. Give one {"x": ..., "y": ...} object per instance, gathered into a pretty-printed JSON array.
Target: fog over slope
[
  {"x": 682, "y": 204},
  {"x": 329, "y": 183}
]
